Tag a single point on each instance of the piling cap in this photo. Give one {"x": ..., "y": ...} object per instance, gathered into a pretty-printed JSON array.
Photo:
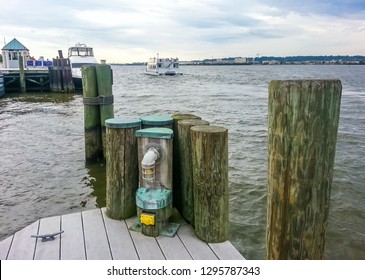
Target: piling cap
[
  {"x": 122, "y": 123},
  {"x": 157, "y": 120},
  {"x": 155, "y": 132}
]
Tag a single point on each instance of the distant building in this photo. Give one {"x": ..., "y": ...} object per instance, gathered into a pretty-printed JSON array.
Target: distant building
[
  {"x": 240, "y": 60},
  {"x": 11, "y": 53}
]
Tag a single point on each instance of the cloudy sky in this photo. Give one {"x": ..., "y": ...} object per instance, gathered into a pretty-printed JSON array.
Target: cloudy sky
[{"x": 134, "y": 30}]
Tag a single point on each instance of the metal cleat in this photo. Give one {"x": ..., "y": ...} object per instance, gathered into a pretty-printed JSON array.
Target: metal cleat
[{"x": 47, "y": 237}]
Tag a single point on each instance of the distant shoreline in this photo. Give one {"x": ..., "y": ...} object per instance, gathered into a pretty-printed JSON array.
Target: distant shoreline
[{"x": 241, "y": 64}]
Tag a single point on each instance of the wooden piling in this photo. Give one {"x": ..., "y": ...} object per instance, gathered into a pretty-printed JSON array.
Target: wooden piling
[
  {"x": 186, "y": 199},
  {"x": 176, "y": 158},
  {"x": 121, "y": 167},
  {"x": 104, "y": 79},
  {"x": 93, "y": 140},
  {"x": 302, "y": 128},
  {"x": 23, "y": 87},
  {"x": 210, "y": 180}
]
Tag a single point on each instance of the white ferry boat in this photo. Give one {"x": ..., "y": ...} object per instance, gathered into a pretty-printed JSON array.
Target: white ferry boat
[
  {"x": 79, "y": 56},
  {"x": 163, "y": 66}
]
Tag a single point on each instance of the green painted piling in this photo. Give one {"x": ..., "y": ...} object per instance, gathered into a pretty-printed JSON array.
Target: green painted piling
[
  {"x": 186, "y": 199},
  {"x": 210, "y": 180},
  {"x": 104, "y": 79},
  {"x": 303, "y": 121},
  {"x": 93, "y": 140},
  {"x": 176, "y": 158}
]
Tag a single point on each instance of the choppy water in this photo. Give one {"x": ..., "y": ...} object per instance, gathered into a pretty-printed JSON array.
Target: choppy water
[{"x": 43, "y": 173}]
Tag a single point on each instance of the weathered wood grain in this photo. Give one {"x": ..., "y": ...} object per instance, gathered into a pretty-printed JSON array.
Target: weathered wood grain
[
  {"x": 186, "y": 170},
  {"x": 176, "y": 158},
  {"x": 210, "y": 182},
  {"x": 121, "y": 172},
  {"x": 303, "y": 121}
]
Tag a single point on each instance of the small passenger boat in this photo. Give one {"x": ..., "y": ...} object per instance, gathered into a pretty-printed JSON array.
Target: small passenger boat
[{"x": 163, "y": 66}]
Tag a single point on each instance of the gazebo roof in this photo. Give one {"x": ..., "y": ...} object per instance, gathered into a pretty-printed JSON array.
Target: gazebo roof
[{"x": 15, "y": 45}]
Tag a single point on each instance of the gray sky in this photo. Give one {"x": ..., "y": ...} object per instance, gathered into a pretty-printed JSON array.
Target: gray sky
[{"x": 134, "y": 30}]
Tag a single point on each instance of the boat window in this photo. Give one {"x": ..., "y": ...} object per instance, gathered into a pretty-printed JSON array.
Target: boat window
[
  {"x": 80, "y": 51},
  {"x": 159, "y": 65},
  {"x": 176, "y": 65}
]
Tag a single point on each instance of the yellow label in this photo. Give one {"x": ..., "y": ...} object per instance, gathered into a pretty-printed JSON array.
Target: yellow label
[{"x": 148, "y": 219}]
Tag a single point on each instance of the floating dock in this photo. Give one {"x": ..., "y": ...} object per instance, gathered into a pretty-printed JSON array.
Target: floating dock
[{"x": 92, "y": 235}]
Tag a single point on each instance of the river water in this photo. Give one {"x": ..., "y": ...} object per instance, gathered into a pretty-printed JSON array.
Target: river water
[{"x": 43, "y": 172}]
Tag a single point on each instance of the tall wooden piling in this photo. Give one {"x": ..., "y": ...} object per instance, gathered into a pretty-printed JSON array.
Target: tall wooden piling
[
  {"x": 176, "y": 168},
  {"x": 104, "y": 79},
  {"x": 23, "y": 87},
  {"x": 303, "y": 123},
  {"x": 186, "y": 199},
  {"x": 121, "y": 167},
  {"x": 210, "y": 179},
  {"x": 92, "y": 124}
]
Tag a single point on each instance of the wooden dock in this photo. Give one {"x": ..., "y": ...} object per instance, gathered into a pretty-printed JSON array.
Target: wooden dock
[{"x": 91, "y": 235}]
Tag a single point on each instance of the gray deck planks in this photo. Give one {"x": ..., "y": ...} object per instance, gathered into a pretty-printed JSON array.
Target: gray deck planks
[
  {"x": 5, "y": 246},
  {"x": 72, "y": 240},
  {"x": 120, "y": 240},
  {"x": 92, "y": 235},
  {"x": 147, "y": 247},
  {"x": 198, "y": 249},
  {"x": 173, "y": 248},
  {"x": 226, "y": 251},
  {"x": 96, "y": 241},
  {"x": 23, "y": 245},
  {"x": 49, "y": 250}
]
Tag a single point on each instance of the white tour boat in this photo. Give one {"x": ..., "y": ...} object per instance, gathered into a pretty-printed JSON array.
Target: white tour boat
[
  {"x": 163, "y": 66},
  {"x": 79, "y": 56}
]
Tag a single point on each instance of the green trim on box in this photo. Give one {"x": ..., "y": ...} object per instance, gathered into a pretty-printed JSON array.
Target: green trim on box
[{"x": 147, "y": 198}]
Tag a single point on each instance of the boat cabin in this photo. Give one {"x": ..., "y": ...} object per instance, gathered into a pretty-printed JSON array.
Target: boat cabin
[{"x": 80, "y": 50}]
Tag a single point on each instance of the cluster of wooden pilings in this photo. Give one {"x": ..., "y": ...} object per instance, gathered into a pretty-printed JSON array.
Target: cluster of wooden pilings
[
  {"x": 98, "y": 107},
  {"x": 303, "y": 117},
  {"x": 60, "y": 76}
]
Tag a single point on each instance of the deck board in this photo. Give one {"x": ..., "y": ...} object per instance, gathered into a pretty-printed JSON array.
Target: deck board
[
  {"x": 173, "y": 248},
  {"x": 49, "y": 250},
  {"x": 4, "y": 247},
  {"x": 147, "y": 247},
  {"x": 72, "y": 240},
  {"x": 226, "y": 251},
  {"x": 120, "y": 240},
  {"x": 23, "y": 245},
  {"x": 198, "y": 249},
  {"x": 92, "y": 235},
  {"x": 96, "y": 241}
]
